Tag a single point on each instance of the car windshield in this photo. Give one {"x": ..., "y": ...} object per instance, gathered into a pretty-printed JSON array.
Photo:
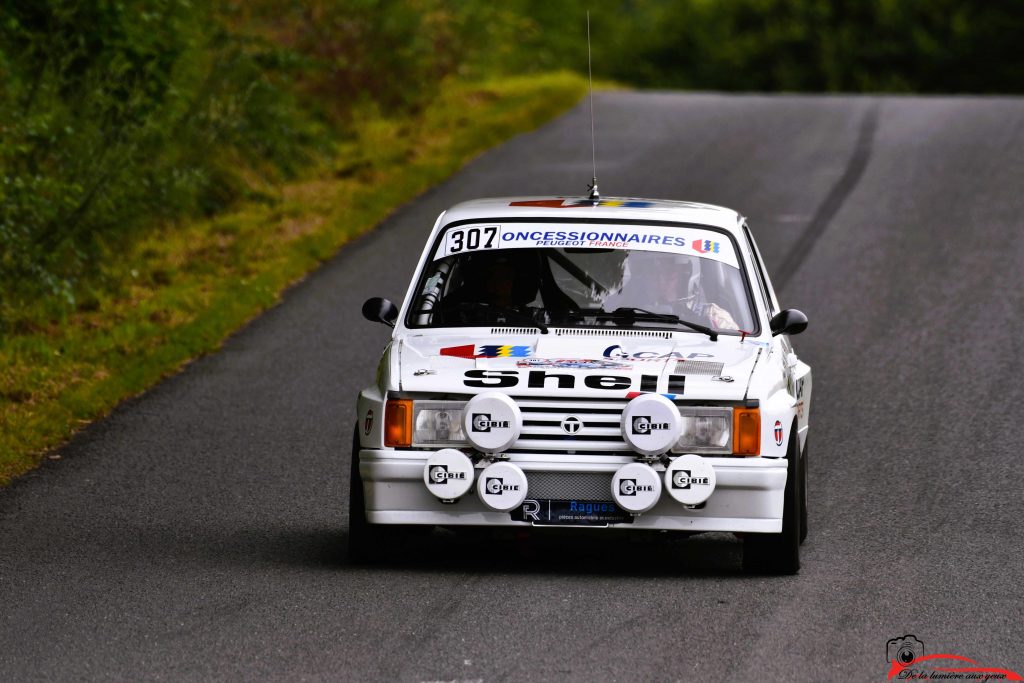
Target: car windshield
[{"x": 521, "y": 283}]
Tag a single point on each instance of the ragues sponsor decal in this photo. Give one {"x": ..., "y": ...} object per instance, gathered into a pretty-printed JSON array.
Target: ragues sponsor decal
[{"x": 571, "y": 512}]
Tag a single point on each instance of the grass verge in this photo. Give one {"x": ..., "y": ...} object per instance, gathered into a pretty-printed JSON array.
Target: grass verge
[{"x": 178, "y": 292}]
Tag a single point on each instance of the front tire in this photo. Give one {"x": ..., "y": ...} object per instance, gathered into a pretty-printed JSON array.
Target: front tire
[
  {"x": 803, "y": 492},
  {"x": 364, "y": 539},
  {"x": 780, "y": 553}
]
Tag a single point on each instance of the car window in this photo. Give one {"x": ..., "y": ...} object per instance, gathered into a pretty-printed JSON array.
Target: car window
[
  {"x": 767, "y": 295},
  {"x": 696, "y": 280}
]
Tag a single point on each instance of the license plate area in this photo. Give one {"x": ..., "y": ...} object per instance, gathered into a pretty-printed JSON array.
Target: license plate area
[{"x": 550, "y": 512}]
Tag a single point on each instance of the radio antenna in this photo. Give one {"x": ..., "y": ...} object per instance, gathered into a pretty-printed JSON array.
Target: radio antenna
[{"x": 594, "y": 195}]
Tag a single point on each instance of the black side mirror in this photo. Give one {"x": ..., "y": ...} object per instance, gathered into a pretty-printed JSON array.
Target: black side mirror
[
  {"x": 789, "y": 321},
  {"x": 380, "y": 310}
]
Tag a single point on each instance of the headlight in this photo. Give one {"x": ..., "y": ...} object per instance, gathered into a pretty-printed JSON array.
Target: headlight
[
  {"x": 705, "y": 430},
  {"x": 437, "y": 423}
]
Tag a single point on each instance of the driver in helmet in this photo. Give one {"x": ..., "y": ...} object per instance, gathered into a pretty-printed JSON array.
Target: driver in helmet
[
  {"x": 675, "y": 287},
  {"x": 494, "y": 283}
]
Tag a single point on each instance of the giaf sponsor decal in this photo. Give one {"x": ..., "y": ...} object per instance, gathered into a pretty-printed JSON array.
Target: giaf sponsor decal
[{"x": 487, "y": 351}]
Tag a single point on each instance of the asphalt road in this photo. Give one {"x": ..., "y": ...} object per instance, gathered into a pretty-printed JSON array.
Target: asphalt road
[{"x": 199, "y": 532}]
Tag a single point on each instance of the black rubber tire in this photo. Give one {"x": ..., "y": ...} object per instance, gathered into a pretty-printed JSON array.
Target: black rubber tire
[
  {"x": 780, "y": 553},
  {"x": 365, "y": 541},
  {"x": 372, "y": 543},
  {"x": 803, "y": 491}
]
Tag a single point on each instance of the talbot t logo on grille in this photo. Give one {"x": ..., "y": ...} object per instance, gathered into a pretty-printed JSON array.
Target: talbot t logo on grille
[{"x": 572, "y": 424}]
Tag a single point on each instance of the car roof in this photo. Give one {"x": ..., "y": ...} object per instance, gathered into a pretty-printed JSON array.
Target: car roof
[{"x": 622, "y": 208}]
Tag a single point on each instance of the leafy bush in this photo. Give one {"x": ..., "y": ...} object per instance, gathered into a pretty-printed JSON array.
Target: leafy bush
[
  {"x": 120, "y": 115},
  {"x": 115, "y": 115}
]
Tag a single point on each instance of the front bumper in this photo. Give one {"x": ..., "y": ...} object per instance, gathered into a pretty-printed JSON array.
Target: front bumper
[{"x": 748, "y": 496}]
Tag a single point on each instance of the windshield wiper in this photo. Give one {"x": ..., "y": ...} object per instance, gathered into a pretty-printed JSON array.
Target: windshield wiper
[
  {"x": 505, "y": 311},
  {"x": 642, "y": 313}
]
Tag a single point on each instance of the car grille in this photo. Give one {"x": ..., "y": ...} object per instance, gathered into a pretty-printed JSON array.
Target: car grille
[
  {"x": 699, "y": 367},
  {"x": 542, "y": 425},
  {"x": 569, "y": 485}
]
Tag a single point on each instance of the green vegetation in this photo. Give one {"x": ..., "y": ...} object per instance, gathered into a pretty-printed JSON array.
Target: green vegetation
[
  {"x": 117, "y": 115},
  {"x": 168, "y": 166},
  {"x": 179, "y": 290},
  {"x": 929, "y": 46}
]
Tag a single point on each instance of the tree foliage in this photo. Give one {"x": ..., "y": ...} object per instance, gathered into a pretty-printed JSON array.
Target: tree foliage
[{"x": 116, "y": 114}]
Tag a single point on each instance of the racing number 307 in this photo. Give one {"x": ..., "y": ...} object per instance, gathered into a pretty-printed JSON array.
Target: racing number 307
[{"x": 472, "y": 238}]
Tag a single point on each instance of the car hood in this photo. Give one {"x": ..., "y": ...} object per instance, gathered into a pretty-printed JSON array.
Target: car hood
[{"x": 592, "y": 364}]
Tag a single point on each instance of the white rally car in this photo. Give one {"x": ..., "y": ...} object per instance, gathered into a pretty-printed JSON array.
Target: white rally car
[{"x": 566, "y": 362}]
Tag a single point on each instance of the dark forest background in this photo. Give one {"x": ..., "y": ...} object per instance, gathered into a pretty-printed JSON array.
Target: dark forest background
[{"x": 119, "y": 115}]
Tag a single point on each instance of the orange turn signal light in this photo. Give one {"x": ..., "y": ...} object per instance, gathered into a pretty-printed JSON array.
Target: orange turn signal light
[
  {"x": 746, "y": 430},
  {"x": 398, "y": 422}
]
